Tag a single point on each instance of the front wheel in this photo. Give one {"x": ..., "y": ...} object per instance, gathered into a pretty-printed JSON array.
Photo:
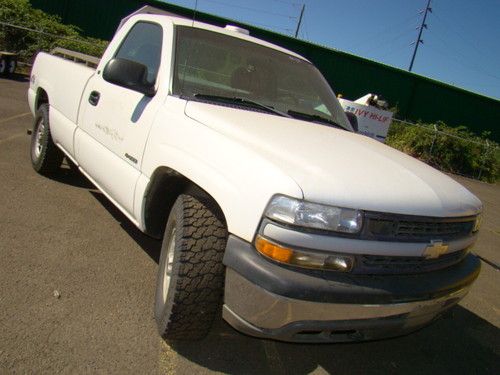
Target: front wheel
[
  {"x": 46, "y": 158},
  {"x": 190, "y": 278},
  {"x": 11, "y": 67}
]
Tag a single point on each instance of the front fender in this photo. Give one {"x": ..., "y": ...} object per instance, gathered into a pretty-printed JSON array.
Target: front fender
[{"x": 241, "y": 181}]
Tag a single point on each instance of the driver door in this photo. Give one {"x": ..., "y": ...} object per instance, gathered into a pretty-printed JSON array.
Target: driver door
[{"x": 115, "y": 121}]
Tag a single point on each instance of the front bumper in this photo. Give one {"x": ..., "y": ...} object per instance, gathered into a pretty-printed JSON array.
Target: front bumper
[{"x": 268, "y": 300}]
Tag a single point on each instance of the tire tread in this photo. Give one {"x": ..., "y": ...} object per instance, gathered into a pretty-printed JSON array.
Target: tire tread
[
  {"x": 198, "y": 275},
  {"x": 51, "y": 156}
]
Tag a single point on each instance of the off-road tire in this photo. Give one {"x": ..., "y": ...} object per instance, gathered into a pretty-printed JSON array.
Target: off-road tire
[
  {"x": 46, "y": 157},
  {"x": 196, "y": 235},
  {"x": 11, "y": 66},
  {"x": 3, "y": 66}
]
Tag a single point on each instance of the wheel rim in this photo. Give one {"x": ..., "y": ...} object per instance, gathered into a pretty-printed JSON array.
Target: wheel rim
[
  {"x": 169, "y": 261},
  {"x": 37, "y": 144},
  {"x": 2, "y": 66}
]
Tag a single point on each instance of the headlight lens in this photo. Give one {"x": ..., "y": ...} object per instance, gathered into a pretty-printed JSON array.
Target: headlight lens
[
  {"x": 312, "y": 215},
  {"x": 477, "y": 223}
]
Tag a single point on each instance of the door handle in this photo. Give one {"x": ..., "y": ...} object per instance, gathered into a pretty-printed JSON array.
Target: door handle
[{"x": 94, "y": 97}]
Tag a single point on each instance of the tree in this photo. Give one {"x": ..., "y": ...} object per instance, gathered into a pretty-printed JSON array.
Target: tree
[{"x": 55, "y": 33}]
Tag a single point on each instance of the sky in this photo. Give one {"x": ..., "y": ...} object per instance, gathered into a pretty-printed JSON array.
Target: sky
[{"x": 461, "y": 43}]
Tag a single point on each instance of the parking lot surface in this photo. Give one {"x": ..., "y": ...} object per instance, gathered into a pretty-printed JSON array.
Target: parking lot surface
[{"x": 62, "y": 237}]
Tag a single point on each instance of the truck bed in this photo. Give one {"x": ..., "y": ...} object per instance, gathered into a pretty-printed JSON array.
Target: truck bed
[
  {"x": 77, "y": 57},
  {"x": 65, "y": 79}
]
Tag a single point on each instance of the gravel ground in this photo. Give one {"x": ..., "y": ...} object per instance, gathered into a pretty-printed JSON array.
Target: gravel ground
[{"x": 62, "y": 235}]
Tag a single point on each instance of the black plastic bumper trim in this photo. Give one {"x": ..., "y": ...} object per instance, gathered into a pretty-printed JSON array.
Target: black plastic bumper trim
[{"x": 332, "y": 287}]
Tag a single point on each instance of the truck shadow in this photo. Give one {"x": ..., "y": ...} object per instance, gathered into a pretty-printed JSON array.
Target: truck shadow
[
  {"x": 149, "y": 245},
  {"x": 17, "y": 77},
  {"x": 70, "y": 175},
  {"x": 459, "y": 343}
]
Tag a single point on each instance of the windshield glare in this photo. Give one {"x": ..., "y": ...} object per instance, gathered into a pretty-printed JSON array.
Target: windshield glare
[{"x": 211, "y": 63}]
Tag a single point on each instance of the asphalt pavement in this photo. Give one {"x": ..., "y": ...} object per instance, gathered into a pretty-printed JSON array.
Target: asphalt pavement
[{"x": 77, "y": 285}]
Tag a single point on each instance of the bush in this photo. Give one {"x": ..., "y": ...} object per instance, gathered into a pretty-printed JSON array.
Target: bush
[
  {"x": 28, "y": 43},
  {"x": 456, "y": 150}
]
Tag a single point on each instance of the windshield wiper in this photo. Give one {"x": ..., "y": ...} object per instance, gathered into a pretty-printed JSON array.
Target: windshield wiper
[
  {"x": 317, "y": 118},
  {"x": 241, "y": 101}
]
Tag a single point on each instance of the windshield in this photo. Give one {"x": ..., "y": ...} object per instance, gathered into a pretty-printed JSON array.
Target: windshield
[{"x": 213, "y": 64}]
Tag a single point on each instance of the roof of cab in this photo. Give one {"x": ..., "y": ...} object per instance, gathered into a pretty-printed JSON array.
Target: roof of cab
[{"x": 202, "y": 25}]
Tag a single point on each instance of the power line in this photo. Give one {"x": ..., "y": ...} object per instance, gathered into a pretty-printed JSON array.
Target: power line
[
  {"x": 303, "y": 31},
  {"x": 376, "y": 36},
  {"x": 257, "y": 10},
  {"x": 394, "y": 49},
  {"x": 464, "y": 56},
  {"x": 45, "y": 33},
  {"x": 461, "y": 62},
  {"x": 385, "y": 42},
  {"x": 462, "y": 38},
  {"x": 286, "y": 2},
  {"x": 267, "y": 26},
  {"x": 472, "y": 67}
]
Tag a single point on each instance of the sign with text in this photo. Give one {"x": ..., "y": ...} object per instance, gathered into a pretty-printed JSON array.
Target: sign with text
[{"x": 372, "y": 121}]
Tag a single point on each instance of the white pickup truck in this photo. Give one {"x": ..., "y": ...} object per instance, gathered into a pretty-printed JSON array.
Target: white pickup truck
[{"x": 273, "y": 212}]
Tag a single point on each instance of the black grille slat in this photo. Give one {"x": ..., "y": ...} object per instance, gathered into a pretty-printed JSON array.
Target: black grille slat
[
  {"x": 394, "y": 228},
  {"x": 376, "y": 264},
  {"x": 433, "y": 229}
]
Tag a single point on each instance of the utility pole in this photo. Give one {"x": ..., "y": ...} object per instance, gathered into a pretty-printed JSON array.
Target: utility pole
[
  {"x": 422, "y": 27},
  {"x": 300, "y": 20}
]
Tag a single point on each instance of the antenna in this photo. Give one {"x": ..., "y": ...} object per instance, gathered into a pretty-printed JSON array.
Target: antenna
[{"x": 194, "y": 12}]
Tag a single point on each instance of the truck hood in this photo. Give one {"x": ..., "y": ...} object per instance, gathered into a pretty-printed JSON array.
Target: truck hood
[{"x": 340, "y": 168}]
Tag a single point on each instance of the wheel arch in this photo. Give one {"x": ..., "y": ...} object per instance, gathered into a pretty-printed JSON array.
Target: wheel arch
[
  {"x": 41, "y": 97},
  {"x": 165, "y": 185}
]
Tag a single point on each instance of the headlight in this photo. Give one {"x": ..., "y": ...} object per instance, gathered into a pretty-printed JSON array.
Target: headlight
[
  {"x": 312, "y": 215},
  {"x": 477, "y": 223}
]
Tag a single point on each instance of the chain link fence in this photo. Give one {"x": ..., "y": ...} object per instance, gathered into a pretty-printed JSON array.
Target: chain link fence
[
  {"x": 27, "y": 41},
  {"x": 454, "y": 150}
]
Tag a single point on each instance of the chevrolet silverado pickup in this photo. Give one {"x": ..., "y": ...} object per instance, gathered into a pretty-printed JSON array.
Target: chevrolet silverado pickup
[{"x": 272, "y": 212}]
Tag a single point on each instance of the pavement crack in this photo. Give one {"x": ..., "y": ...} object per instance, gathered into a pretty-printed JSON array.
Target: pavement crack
[{"x": 2, "y": 121}]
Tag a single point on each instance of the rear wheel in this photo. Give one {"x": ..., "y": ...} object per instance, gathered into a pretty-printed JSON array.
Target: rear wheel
[
  {"x": 190, "y": 278},
  {"x": 3, "y": 66},
  {"x": 46, "y": 158},
  {"x": 11, "y": 66}
]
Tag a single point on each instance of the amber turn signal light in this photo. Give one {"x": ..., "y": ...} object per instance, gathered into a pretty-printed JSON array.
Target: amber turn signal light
[
  {"x": 303, "y": 258},
  {"x": 272, "y": 250}
]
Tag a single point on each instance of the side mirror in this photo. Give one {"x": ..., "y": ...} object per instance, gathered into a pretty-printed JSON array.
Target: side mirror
[
  {"x": 353, "y": 120},
  {"x": 129, "y": 74}
]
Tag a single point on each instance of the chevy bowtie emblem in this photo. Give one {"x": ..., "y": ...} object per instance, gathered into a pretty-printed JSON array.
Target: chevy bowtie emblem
[{"x": 435, "y": 249}]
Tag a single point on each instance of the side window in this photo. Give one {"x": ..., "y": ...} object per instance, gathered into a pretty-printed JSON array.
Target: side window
[{"x": 143, "y": 45}]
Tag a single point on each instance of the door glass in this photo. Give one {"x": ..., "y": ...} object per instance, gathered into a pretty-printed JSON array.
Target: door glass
[{"x": 143, "y": 45}]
